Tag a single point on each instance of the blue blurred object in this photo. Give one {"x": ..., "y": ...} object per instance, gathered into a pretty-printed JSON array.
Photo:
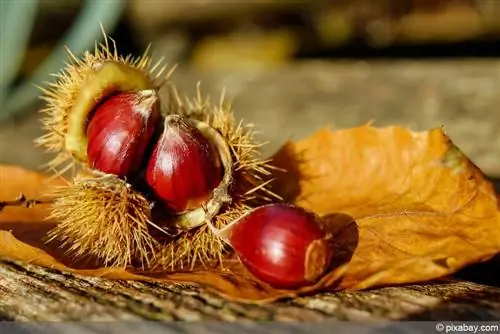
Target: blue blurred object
[{"x": 17, "y": 19}]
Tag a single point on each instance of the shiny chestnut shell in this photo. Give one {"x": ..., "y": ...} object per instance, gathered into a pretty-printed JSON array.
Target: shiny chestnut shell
[
  {"x": 282, "y": 245},
  {"x": 184, "y": 168},
  {"x": 120, "y": 130}
]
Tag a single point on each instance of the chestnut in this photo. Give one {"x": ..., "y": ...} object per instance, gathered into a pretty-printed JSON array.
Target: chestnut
[
  {"x": 184, "y": 167},
  {"x": 120, "y": 130},
  {"x": 281, "y": 244}
]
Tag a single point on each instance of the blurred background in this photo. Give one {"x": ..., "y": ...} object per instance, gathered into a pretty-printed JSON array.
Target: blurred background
[{"x": 290, "y": 67}]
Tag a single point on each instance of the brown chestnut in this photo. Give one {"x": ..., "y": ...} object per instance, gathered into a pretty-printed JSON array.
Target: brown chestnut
[
  {"x": 184, "y": 168},
  {"x": 119, "y": 131},
  {"x": 281, "y": 244}
]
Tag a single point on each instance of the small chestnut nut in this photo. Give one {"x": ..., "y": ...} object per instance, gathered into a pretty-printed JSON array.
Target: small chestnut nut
[
  {"x": 184, "y": 168},
  {"x": 283, "y": 245},
  {"x": 119, "y": 131}
]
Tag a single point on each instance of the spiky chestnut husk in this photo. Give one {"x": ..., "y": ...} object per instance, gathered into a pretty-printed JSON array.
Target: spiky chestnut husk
[
  {"x": 79, "y": 87},
  {"x": 88, "y": 224},
  {"x": 83, "y": 84},
  {"x": 103, "y": 216},
  {"x": 250, "y": 179},
  {"x": 243, "y": 187},
  {"x": 68, "y": 108}
]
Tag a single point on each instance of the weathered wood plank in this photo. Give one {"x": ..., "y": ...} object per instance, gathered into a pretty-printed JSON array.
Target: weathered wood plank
[{"x": 33, "y": 293}]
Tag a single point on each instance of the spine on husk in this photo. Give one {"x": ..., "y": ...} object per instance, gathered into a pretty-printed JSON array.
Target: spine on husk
[{"x": 150, "y": 173}]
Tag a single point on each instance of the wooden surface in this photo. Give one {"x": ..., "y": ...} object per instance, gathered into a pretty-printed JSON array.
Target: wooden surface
[
  {"x": 33, "y": 293},
  {"x": 296, "y": 99}
]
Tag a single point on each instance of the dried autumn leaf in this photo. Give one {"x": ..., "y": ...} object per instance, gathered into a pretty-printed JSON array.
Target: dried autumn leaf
[
  {"x": 404, "y": 207},
  {"x": 421, "y": 209}
]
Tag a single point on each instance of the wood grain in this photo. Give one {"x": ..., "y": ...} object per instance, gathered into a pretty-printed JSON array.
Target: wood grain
[{"x": 33, "y": 293}]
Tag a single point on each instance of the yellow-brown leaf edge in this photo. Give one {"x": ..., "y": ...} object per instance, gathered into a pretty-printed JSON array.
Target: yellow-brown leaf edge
[{"x": 419, "y": 208}]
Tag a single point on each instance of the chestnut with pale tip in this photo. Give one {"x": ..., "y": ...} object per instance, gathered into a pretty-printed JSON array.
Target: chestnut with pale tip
[
  {"x": 120, "y": 130},
  {"x": 281, "y": 244},
  {"x": 184, "y": 167}
]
